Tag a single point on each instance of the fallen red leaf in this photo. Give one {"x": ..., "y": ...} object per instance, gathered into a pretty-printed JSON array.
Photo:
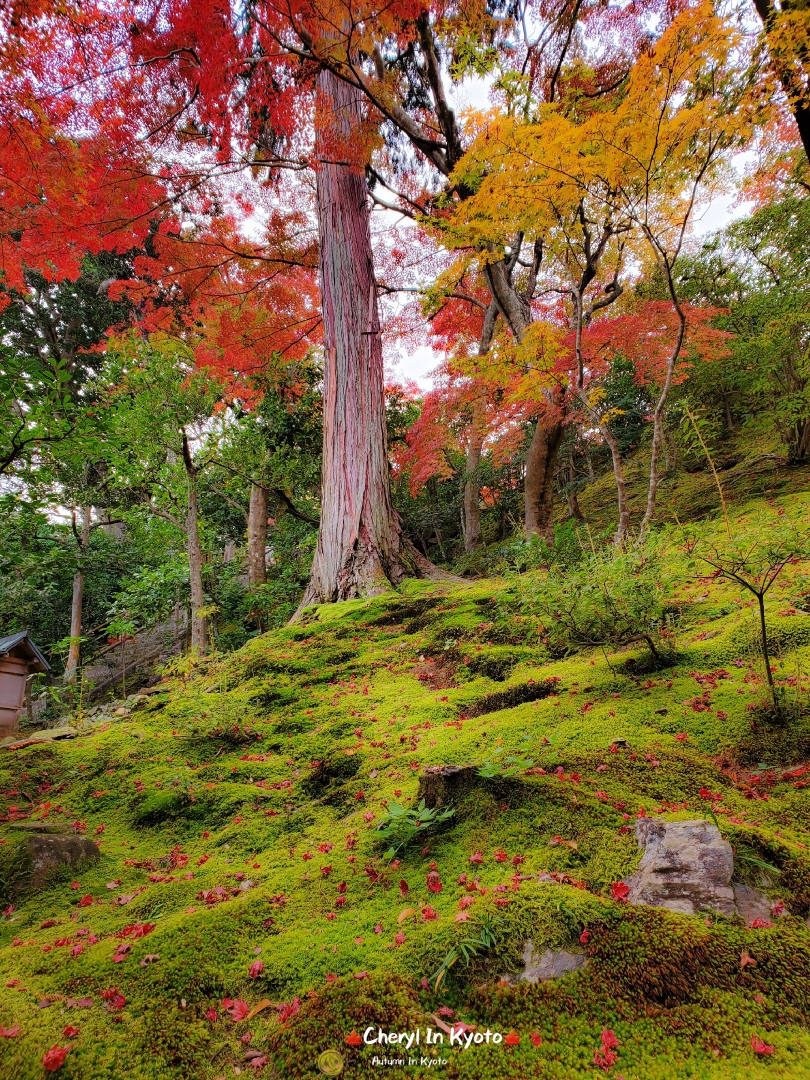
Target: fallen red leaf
[
  {"x": 54, "y": 1058},
  {"x": 237, "y": 1010},
  {"x": 760, "y": 1047}
]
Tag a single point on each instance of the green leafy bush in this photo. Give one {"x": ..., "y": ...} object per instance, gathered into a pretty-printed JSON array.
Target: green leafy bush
[
  {"x": 610, "y": 600},
  {"x": 402, "y": 825}
]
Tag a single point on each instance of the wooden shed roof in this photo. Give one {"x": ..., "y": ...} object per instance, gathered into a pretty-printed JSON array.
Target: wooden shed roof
[{"x": 22, "y": 642}]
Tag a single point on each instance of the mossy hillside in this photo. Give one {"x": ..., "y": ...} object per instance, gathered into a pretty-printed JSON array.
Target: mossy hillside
[
  {"x": 750, "y": 463},
  {"x": 274, "y": 764}
]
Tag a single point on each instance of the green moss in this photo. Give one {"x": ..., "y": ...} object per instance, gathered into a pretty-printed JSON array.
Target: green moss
[
  {"x": 15, "y": 866},
  {"x": 291, "y": 747}
]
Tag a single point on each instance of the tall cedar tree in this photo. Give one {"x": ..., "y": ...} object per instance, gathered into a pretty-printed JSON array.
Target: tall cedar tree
[
  {"x": 401, "y": 58},
  {"x": 360, "y": 543}
]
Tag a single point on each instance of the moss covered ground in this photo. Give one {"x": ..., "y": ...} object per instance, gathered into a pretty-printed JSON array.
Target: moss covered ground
[{"x": 236, "y": 814}]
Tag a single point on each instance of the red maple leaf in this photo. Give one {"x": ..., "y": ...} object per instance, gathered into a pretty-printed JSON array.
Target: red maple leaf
[
  {"x": 54, "y": 1058},
  {"x": 237, "y": 1010},
  {"x": 759, "y": 1046},
  {"x": 434, "y": 882},
  {"x": 354, "y": 1039},
  {"x": 512, "y": 1039}
]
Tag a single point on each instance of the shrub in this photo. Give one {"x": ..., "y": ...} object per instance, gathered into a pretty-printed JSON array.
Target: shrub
[{"x": 610, "y": 599}]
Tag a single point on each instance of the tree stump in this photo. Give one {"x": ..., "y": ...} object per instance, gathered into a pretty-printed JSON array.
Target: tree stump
[{"x": 443, "y": 785}]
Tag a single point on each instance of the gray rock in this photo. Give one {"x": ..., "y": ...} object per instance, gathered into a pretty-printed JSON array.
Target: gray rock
[
  {"x": 548, "y": 965},
  {"x": 48, "y": 852},
  {"x": 751, "y": 904},
  {"x": 686, "y": 867}
]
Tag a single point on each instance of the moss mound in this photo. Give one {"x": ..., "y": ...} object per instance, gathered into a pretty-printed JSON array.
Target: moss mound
[{"x": 243, "y": 914}]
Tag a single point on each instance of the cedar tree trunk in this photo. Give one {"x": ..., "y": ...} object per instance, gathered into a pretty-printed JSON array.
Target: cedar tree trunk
[
  {"x": 361, "y": 550},
  {"x": 257, "y": 535},
  {"x": 72, "y": 663}
]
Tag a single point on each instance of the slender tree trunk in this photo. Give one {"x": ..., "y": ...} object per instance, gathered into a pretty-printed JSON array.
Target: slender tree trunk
[
  {"x": 472, "y": 487},
  {"x": 727, "y": 410},
  {"x": 621, "y": 485},
  {"x": 74, "y": 652},
  {"x": 472, "y": 497},
  {"x": 199, "y": 623},
  {"x": 541, "y": 459},
  {"x": 361, "y": 550},
  {"x": 257, "y": 535},
  {"x": 763, "y": 631},
  {"x": 574, "y": 510},
  {"x": 658, "y": 415},
  {"x": 582, "y": 318}
]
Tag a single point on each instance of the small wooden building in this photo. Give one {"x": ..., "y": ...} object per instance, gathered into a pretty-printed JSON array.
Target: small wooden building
[{"x": 19, "y": 658}]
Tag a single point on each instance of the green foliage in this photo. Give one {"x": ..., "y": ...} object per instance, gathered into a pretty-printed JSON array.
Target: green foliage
[
  {"x": 39, "y": 557},
  {"x": 511, "y": 765},
  {"x": 754, "y": 559},
  {"x": 468, "y": 948},
  {"x": 49, "y": 335},
  {"x": 609, "y": 599},
  {"x": 148, "y": 598},
  {"x": 404, "y": 825},
  {"x": 756, "y": 273},
  {"x": 522, "y": 554},
  {"x": 274, "y": 603},
  {"x": 628, "y": 403}
]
